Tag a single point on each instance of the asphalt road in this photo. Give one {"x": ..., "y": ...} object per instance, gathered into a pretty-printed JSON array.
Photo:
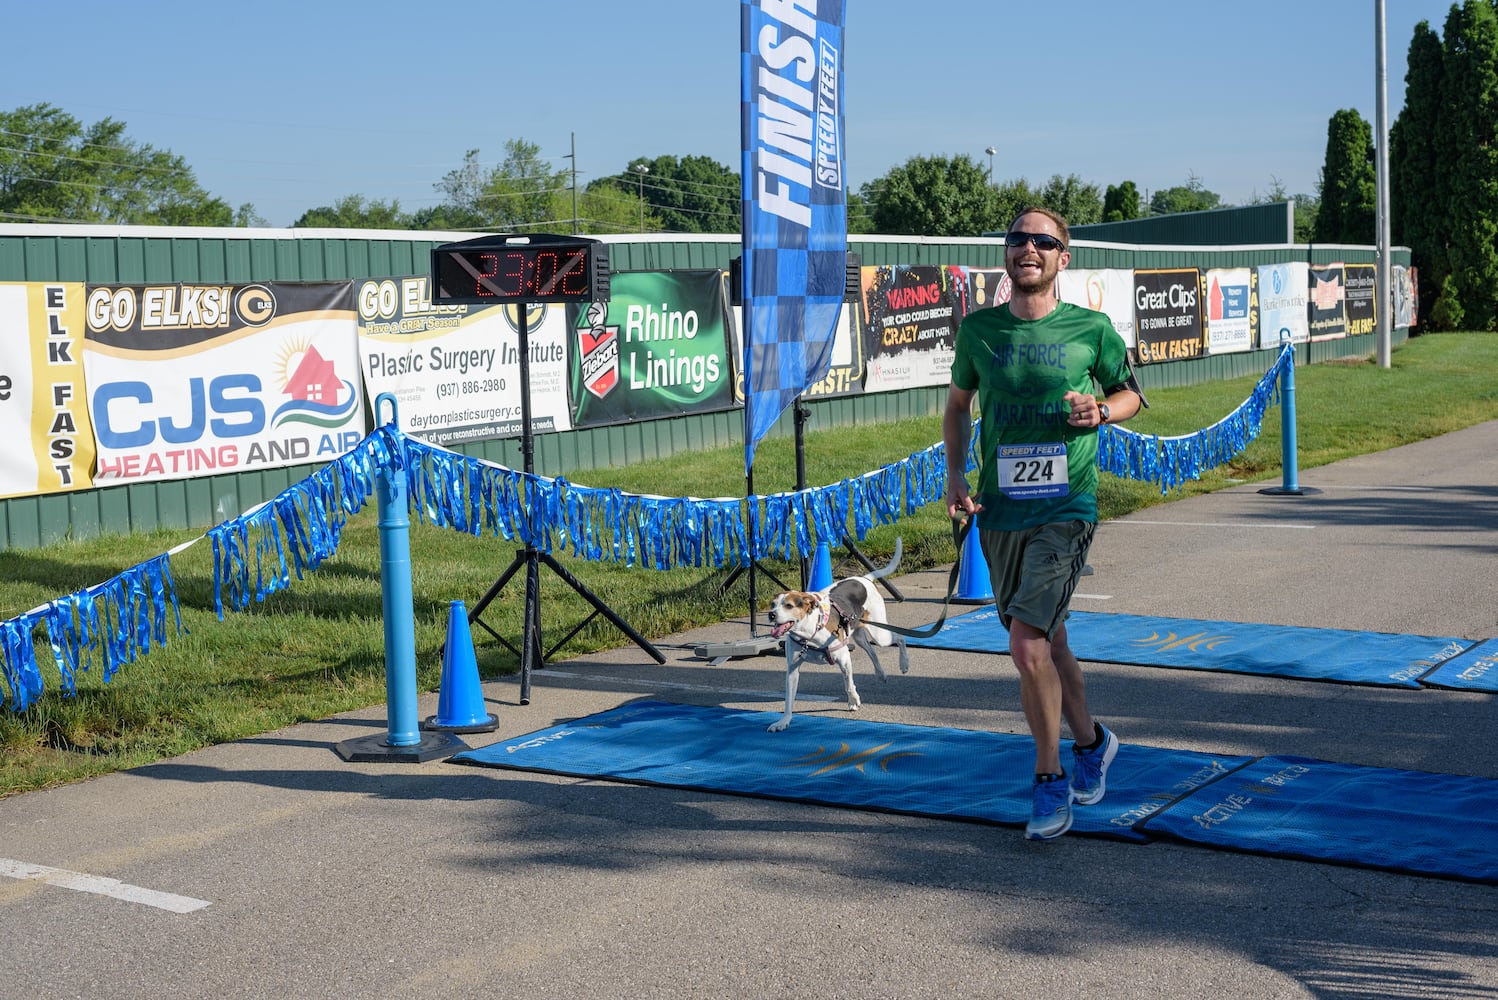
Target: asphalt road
[{"x": 272, "y": 868}]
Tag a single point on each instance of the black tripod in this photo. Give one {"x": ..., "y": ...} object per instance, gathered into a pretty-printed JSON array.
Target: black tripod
[{"x": 532, "y": 558}]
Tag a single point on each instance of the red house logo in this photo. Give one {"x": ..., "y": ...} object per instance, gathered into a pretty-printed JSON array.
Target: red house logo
[{"x": 313, "y": 380}]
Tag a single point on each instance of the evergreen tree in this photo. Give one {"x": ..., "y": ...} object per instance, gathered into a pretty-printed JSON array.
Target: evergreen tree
[
  {"x": 1469, "y": 156},
  {"x": 1349, "y": 184},
  {"x": 1121, "y": 202},
  {"x": 1417, "y": 185}
]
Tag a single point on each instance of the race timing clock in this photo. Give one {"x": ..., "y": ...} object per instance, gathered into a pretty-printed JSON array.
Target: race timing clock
[{"x": 499, "y": 270}]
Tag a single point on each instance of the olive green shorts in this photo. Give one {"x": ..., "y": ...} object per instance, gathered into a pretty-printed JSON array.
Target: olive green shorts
[{"x": 1035, "y": 571}]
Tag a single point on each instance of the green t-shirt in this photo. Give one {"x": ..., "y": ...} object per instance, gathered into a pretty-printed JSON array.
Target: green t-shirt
[{"x": 1022, "y": 369}]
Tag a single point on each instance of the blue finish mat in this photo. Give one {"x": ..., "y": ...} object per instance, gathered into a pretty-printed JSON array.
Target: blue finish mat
[
  {"x": 1412, "y": 822},
  {"x": 917, "y": 770},
  {"x": 1473, "y": 669},
  {"x": 1375, "y": 658}
]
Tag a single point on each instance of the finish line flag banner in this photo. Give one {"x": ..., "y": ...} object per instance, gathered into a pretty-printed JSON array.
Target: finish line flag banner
[{"x": 795, "y": 209}]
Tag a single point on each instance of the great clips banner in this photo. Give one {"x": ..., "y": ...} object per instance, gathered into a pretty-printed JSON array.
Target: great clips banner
[
  {"x": 658, "y": 348},
  {"x": 1168, "y": 315},
  {"x": 795, "y": 211},
  {"x": 192, "y": 380},
  {"x": 44, "y": 422},
  {"x": 455, "y": 370}
]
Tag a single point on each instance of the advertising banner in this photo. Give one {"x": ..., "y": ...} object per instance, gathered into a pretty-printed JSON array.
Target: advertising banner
[
  {"x": 1167, "y": 315},
  {"x": 986, "y": 287},
  {"x": 910, "y": 317},
  {"x": 1404, "y": 296},
  {"x": 194, "y": 380},
  {"x": 1362, "y": 298},
  {"x": 844, "y": 373},
  {"x": 1282, "y": 297},
  {"x": 49, "y": 440},
  {"x": 1229, "y": 323},
  {"x": 455, "y": 370},
  {"x": 659, "y": 348},
  {"x": 1107, "y": 290},
  {"x": 1327, "y": 311}
]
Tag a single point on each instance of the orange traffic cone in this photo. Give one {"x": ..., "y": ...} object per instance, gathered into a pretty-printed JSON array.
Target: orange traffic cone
[{"x": 460, "y": 702}]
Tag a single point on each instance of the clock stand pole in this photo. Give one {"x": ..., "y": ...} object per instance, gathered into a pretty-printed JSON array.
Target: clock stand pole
[{"x": 532, "y": 558}]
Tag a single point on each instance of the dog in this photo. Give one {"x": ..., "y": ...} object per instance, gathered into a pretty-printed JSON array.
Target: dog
[{"x": 819, "y": 625}]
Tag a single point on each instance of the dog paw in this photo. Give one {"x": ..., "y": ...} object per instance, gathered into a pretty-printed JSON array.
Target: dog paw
[{"x": 779, "y": 724}]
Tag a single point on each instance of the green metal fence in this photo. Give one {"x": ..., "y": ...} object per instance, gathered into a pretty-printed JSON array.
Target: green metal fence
[{"x": 140, "y": 255}]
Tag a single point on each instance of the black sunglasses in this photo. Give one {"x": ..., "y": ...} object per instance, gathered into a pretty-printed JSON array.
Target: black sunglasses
[{"x": 1042, "y": 241}]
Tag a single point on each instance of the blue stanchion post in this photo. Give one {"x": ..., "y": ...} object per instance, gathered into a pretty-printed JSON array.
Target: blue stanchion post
[
  {"x": 1289, "y": 448},
  {"x": 397, "y": 607},
  {"x": 403, "y": 739}
]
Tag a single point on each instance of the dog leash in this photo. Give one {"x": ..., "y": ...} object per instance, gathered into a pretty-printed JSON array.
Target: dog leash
[{"x": 935, "y": 627}]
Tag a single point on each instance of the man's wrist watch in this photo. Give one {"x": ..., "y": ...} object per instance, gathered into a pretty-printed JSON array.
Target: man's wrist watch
[{"x": 1103, "y": 413}]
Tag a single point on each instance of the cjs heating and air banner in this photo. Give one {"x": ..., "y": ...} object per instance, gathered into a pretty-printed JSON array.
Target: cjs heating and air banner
[{"x": 191, "y": 380}]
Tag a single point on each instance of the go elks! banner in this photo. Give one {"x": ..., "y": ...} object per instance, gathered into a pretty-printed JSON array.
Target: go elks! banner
[
  {"x": 44, "y": 421},
  {"x": 191, "y": 380}
]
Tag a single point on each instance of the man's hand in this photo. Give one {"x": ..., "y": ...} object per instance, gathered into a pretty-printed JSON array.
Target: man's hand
[{"x": 1084, "y": 411}]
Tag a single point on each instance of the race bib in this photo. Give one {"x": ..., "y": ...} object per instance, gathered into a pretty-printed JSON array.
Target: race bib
[{"x": 1032, "y": 471}]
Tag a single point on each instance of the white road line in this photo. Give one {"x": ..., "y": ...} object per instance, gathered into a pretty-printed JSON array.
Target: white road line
[
  {"x": 1215, "y": 524},
  {"x": 1093, "y": 597},
  {"x": 100, "y": 886},
  {"x": 672, "y": 685}
]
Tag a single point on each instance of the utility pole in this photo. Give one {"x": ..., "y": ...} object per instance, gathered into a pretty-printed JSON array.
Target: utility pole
[
  {"x": 573, "y": 157},
  {"x": 641, "y": 170}
]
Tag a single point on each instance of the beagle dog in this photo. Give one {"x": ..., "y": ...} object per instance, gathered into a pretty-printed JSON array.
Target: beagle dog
[{"x": 819, "y": 626}]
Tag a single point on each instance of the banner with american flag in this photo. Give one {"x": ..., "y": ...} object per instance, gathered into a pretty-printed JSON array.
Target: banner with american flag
[{"x": 795, "y": 208}]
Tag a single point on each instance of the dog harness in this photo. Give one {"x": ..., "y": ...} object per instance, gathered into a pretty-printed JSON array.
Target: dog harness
[{"x": 828, "y": 650}]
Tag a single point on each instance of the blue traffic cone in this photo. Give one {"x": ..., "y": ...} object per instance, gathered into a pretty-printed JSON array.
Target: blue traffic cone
[
  {"x": 460, "y": 703},
  {"x": 973, "y": 583},
  {"x": 821, "y": 569}
]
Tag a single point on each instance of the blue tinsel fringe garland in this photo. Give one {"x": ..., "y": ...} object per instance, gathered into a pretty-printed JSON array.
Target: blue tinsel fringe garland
[{"x": 255, "y": 555}]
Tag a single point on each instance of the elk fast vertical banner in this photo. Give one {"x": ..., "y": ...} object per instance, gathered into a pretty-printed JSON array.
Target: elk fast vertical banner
[
  {"x": 49, "y": 442},
  {"x": 191, "y": 380},
  {"x": 795, "y": 209}
]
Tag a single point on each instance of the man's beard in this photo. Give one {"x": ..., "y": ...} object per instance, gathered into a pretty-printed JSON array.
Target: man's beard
[{"x": 1030, "y": 282}]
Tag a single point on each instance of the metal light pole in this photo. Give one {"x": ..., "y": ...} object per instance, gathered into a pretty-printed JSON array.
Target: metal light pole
[
  {"x": 641, "y": 170},
  {"x": 1384, "y": 273},
  {"x": 990, "y": 151}
]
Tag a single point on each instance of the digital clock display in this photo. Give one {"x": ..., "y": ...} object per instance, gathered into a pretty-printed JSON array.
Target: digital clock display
[{"x": 520, "y": 269}]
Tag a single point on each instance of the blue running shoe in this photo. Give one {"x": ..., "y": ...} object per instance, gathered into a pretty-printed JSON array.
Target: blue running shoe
[
  {"x": 1090, "y": 769},
  {"x": 1050, "y": 811}
]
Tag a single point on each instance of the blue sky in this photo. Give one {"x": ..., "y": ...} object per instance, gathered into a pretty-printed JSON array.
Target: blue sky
[{"x": 289, "y": 106}]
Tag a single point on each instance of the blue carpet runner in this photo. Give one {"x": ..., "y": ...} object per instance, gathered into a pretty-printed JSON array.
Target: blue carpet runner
[
  {"x": 1401, "y": 821},
  {"x": 1374, "y": 658}
]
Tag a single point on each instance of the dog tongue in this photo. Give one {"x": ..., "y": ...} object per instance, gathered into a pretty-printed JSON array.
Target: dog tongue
[{"x": 780, "y": 630}]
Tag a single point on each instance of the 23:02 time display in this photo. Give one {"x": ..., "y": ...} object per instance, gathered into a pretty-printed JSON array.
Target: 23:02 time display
[{"x": 513, "y": 274}]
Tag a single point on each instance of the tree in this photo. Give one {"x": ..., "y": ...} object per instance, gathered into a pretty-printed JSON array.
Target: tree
[
  {"x": 53, "y": 169},
  {"x": 1467, "y": 122},
  {"x": 1349, "y": 188},
  {"x": 1417, "y": 185},
  {"x": 1306, "y": 207},
  {"x": 1121, "y": 202},
  {"x": 933, "y": 196},
  {"x": 353, "y": 212},
  {"x": 519, "y": 195},
  {"x": 695, "y": 194},
  {"x": 1079, "y": 203},
  {"x": 1191, "y": 197}
]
